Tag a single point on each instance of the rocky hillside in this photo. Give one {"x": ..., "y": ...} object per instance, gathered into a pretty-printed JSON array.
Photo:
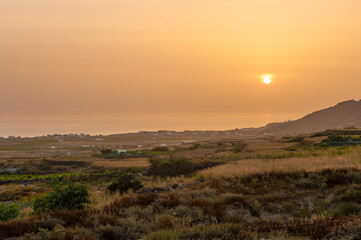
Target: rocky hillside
[{"x": 343, "y": 115}]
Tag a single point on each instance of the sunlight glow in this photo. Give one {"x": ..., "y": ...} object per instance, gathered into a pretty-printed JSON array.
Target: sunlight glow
[{"x": 267, "y": 79}]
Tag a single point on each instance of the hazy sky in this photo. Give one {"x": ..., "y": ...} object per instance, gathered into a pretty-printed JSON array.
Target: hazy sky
[{"x": 68, "y": 58}]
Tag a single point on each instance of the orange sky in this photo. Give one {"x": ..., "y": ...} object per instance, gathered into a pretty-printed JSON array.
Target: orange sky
[{"x": 96, "y": 57}]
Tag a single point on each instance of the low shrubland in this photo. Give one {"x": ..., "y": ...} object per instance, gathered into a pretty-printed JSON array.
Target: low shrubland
[
  {"x": 283, "y": 204},
  {"x": 292, "y": 192}
]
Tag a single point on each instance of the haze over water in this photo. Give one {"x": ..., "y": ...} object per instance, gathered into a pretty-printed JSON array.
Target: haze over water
[{"x": 112, "y": 124}]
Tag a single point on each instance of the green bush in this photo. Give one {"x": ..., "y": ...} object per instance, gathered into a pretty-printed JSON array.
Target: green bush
[
  {"x": 124, "y": 182},
  {"x": 8, "y": 212},
  {"x": 107, "y": 151},
  {"x": 48, "y": 223},
  {"x": 255, "y": 209},
  {"x": 314, "y": 181},
  {"x": 160, "y": 149},
  {"x": 220, "y": 150},
  {"x": 239, "y": 147},
  {"x": 44, "y": 165},
  {"x": 291, "y": 149},
  {"x": 353, "y": 194},
  {"x": 343, "y": 209},
  {"x": 70, "y": 197},
  {"x": 57, "y": 233},
  {"x": 170, "y": 167},
  {"x": 194, "y": 147}
]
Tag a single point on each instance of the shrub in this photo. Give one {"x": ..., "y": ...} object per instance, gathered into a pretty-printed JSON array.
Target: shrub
[
  {"x": 44, "y": 165},
  {"x": 186, "y": 214},
  {"x": 170, "y": 200},
  {"x": 146, "y": 199},
  {"x": 343, "y": 209},
  {"x": 8, "y": 212},
  {"x": 74, "y": 217},
  {"x": 57, "y": 233},
  {"x": 202, "y": 193},
  {"x": 170, "y": 167},
  {"x": 239, "y": 147},
  {"x": 125, "y": 229},
  {"x": 209, "y": 207},
  {"x": 107, "y": 151},
  {"x": 219, "y": 150},
  {"x": 222, "y": 231},
  {"x": 351, "y": 195},
  {"x": 165, "y": 221},
  {"x": 337, "y": 138},
  {"x": 48, "y": 223},
  {"x": 124, "y": 182},
  {"x": 160, "y": 149},
  {"x": 71, "y": 197},
  {"x": 146, "y": 214},
  {"x": 17, "y": 227},
  {"x": 255, "y": 209},
  {"x": 314, "y": 181},
  {"x": 119, "y": 204},
  {"x": 176, "y": 166},
  {"x": 194, "y": 147},
  {"x": 78, "y": 233},
  {"x": 291, "y": 149},
  {"x": 162, "y": 235}
]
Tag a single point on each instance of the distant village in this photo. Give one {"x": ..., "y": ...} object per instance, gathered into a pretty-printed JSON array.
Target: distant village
[{"x": 156, "y": 134}]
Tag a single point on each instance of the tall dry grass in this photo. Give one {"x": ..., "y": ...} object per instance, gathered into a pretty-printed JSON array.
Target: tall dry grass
[
  {"x": 244, "y": 167},
  {"x": 100, "y": 198}
]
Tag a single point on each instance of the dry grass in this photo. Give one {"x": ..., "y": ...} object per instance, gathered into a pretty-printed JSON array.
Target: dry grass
[
  {"x": 123, "y": 163},
  {"x": 100, "y": 198},
  {"x": 168, "y": 182},
  {"x": 244, "y": 167},
  {"x": 26, "y": 212}
]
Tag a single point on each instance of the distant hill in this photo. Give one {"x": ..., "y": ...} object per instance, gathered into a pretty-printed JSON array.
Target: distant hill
[{"x": 343, "y": 115}]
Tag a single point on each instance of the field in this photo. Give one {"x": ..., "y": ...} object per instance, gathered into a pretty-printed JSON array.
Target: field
[{"x": 181, "y": 185}]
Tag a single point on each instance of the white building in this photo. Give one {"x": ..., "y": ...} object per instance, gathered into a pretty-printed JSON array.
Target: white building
[{"x": 121, "y": 151}]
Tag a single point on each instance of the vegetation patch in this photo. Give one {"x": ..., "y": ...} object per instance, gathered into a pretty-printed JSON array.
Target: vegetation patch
[
  {"x": 71, "y": 197},
  {"x": 176, "y": 166},
  {"x": 8, "y": 211},
  {"x": 124, "y": 182}
]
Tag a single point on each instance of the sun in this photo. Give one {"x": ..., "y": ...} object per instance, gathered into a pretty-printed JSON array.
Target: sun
[{"x": 267, "y": 79}]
